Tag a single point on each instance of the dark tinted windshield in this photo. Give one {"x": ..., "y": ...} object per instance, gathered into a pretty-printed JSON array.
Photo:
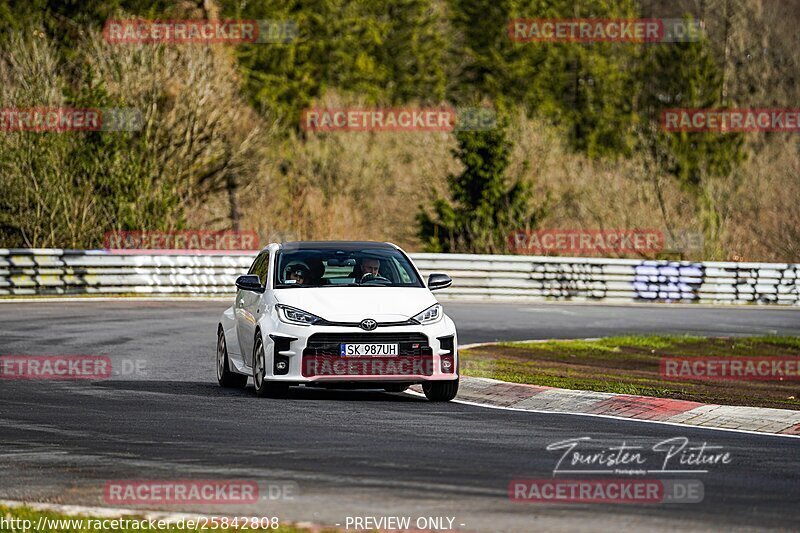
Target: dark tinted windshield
[{"x": 330, "y": 267}]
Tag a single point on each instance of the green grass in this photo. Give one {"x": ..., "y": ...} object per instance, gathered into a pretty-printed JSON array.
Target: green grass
[{"x": 631, "y": 365}]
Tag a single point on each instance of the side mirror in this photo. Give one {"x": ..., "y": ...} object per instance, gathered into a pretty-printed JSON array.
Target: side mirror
[
  {"x": 439, "y": 281},
  {"x": 249, "y": 283}
]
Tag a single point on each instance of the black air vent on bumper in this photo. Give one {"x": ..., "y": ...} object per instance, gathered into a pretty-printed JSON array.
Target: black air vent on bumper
[
  {"x": 280, "y": 363},
  {"x": 448, "y": 360}
]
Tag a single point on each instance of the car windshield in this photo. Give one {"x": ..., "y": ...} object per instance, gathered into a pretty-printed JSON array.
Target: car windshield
[{"x": 332, "y": 267}]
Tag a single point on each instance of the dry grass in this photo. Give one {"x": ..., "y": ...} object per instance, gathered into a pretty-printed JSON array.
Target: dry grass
[
  {"x": 202, "y": 135},
  {"x": 762, "y": 218},
  {"x": 581, "y": 193},
  {"x": 348, "y": 185},
  {"x": 369, "y": 185}
]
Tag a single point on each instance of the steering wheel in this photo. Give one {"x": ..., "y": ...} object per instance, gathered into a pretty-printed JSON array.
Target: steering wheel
[{"x": 368, "y": 277}]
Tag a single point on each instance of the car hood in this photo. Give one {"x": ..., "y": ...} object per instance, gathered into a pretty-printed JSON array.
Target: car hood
[{"x": 353, "y": 304}]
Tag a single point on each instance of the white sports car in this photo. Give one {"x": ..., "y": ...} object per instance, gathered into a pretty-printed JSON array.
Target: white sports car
[{"x": 337, "y": 314}]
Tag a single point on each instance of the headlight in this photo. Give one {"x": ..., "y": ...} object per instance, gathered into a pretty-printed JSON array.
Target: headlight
[
  {"x": 292, "y": 315},
  {"x": 430, "y": 315}
]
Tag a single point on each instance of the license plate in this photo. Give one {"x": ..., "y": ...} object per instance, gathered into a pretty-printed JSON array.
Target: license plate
[{"x": 349, "y": 350}]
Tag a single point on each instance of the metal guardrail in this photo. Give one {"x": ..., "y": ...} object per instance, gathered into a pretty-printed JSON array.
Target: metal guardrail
[{"x": 55, "y": 271}]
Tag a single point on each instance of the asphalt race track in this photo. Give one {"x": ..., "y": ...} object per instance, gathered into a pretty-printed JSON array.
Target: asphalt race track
[{"x": 352, "y": 453}]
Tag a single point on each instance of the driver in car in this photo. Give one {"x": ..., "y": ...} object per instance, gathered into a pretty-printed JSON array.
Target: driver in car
[
  {"x": 370, "y": 265},
  {"x": 297, "y": 272},
  {"x": 369, "y": 269},
  {"x": 366, "y": 269}
]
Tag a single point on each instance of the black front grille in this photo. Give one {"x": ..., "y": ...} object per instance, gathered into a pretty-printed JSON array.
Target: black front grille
[{"x": 328, "y": 343}]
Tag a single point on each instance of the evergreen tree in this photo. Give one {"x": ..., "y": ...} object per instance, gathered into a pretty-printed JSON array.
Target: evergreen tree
[
  {"x": 686, "y": 75},
  {"x": 585, "y": 87},
  {"x": 482, "y": 208},
  {"x": 382, "y": 51}
]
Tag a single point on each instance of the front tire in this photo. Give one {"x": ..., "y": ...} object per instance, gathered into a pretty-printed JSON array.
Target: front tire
[
  {"x": 440, "y": 391},
  {"x": 265, "y": 388},
  {"x": 225, "y": 377}
]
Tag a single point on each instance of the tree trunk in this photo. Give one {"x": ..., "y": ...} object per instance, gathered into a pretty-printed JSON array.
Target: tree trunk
[{"x": 233, "y": 202}]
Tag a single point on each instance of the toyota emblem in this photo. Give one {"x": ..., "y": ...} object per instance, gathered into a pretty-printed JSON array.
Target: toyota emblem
[{"x": 368, "y": 324}]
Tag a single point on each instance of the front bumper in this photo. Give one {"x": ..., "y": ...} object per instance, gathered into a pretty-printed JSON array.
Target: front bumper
[{"x": 309, "y": 354}]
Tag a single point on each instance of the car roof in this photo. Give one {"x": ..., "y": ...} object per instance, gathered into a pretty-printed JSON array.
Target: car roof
[{"x": 335, "y": 245}]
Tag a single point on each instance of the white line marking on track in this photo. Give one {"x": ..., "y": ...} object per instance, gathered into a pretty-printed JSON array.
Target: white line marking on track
[{"x": 570, "y": 413}]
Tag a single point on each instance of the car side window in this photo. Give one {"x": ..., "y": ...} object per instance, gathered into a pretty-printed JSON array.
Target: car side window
[
  {"x": 404, "y": 277},
  {"x": 256, "y": 264},
  {"x": 262, "y": 269}
]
